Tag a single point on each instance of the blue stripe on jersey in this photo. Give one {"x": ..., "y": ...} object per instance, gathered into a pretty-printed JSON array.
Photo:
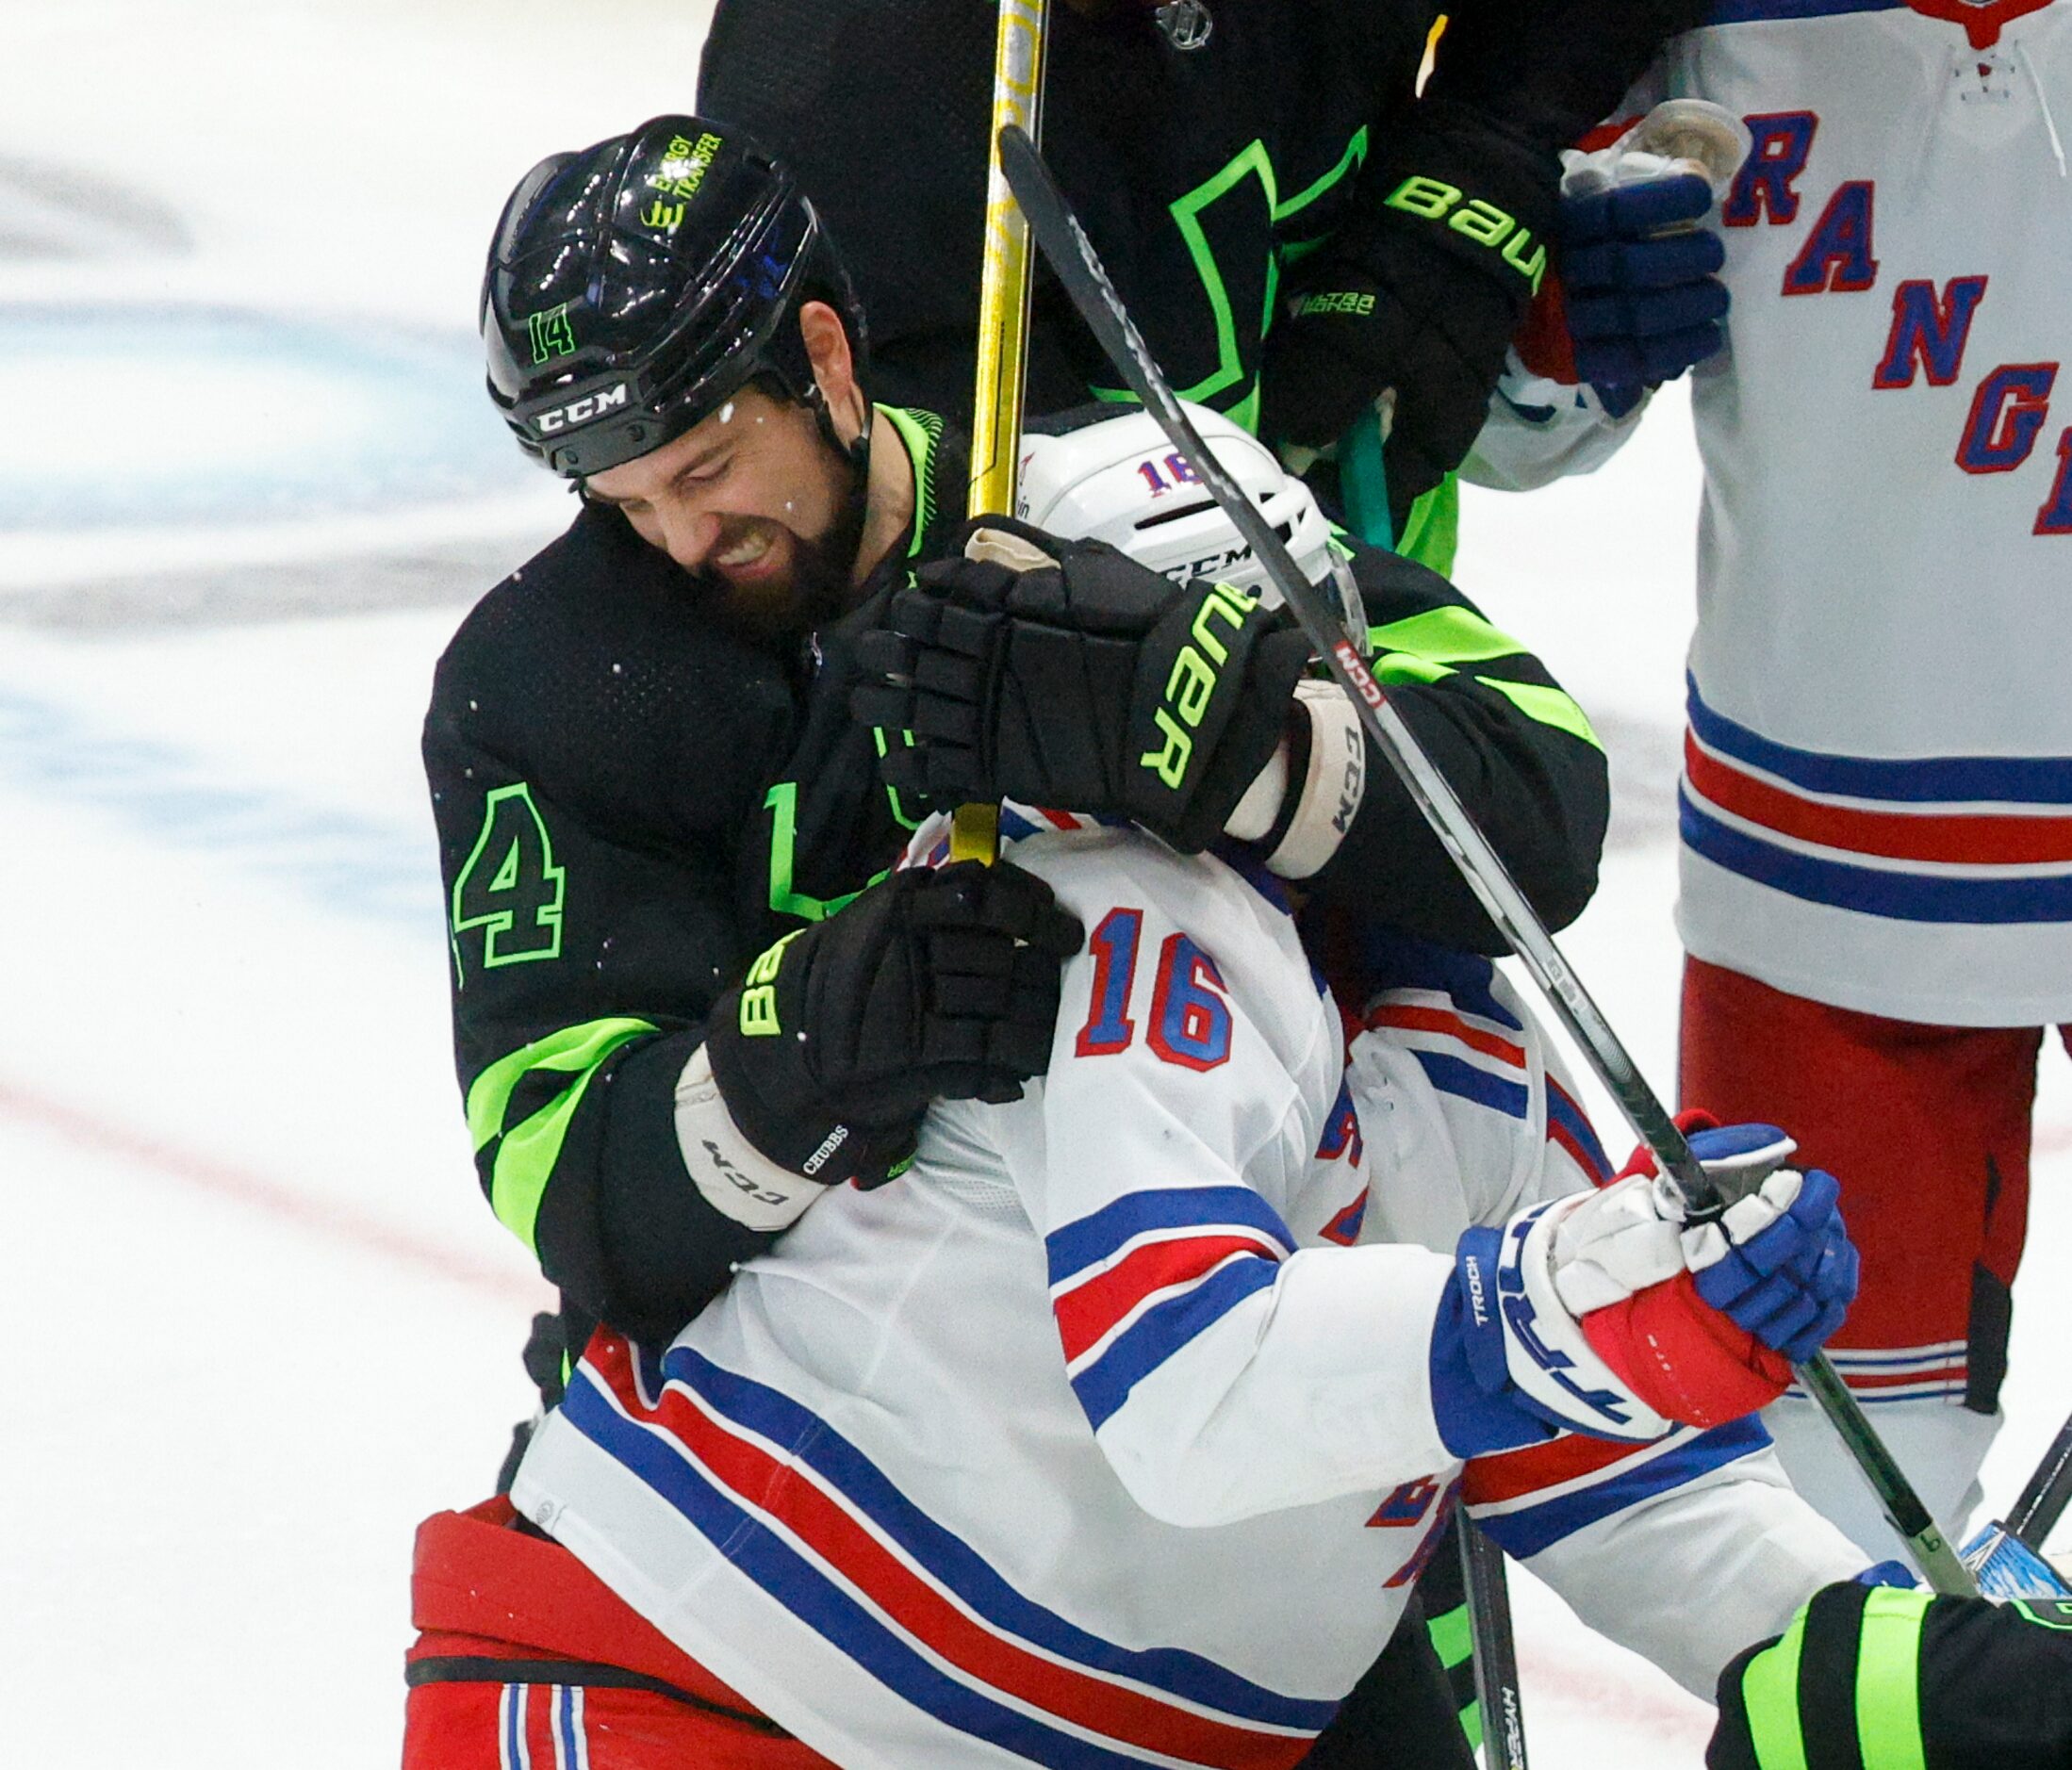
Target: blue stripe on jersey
[
  {"x": 1915, "y": 780},
  {"x": 815, "y": 1599},
  {"x": 1105, "y": 1384},
  {"x": 1532, "y": 1528},
  {"x": 1568, "y": 1115},
  {"x": 568, "y": 1715},
  {"x": 1761, "y": 11},
  {"x": 1450, "y": 1075},
  {"x": 511, "y": 1714},
  {"x": 946, "y": 1558},
  {"x": 1081, "y": 1243},
  {"x": 1871, "y": 891},
  {"x": 1396, "y": 960},
  {"x": 1016, "y": 828}
]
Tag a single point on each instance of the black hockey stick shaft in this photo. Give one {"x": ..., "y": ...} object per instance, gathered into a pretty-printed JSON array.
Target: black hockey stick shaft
[
  {"x": 1079, "y": 268},
  {"x": 2043, "y": 1502},
  {"x": 1497, "y": 1694}
]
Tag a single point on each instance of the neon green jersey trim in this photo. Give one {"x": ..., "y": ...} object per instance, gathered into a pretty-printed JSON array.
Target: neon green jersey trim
[
  {"x": 1471, "y": 1723},
  {"x": 525, "y": 1159},
  {"x": 1400, "y": 667},
  {"x": 1549, "y": 706},
  {"x": 920, "y": 442},
  {"x": 1431, "y": 532},
  {"x": 782, "y": 803},
  {"x": 892, "y": 793},
  {"x": 1537, "y": 701},
  {"x": 1769, "y": 1692},
  {"x": 1888, "y": 1680},
  {"x": 1454, "y": 635},
  {"x": 1452, "y": 1636}
]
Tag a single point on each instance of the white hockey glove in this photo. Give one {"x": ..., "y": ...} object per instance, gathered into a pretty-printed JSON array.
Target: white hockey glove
[{"x": 1606, "y": 1313}]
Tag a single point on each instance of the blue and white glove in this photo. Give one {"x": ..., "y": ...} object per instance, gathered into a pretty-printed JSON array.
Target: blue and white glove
[
  {"x": 1641, "y": 283},
  {"x": 1608, "y": 1313}
]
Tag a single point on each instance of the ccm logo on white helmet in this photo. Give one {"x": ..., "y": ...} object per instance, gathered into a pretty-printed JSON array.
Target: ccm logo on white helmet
[
  {"x": 580, "y": 411},
  {"x": 1214, "y": 566}
]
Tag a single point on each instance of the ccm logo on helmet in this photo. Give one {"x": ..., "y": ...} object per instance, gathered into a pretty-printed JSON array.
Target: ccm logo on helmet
[{"x": 580, "y": 411}]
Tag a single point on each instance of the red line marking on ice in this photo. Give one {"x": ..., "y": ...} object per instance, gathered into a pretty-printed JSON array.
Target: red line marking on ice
[{"x": 273, "y": 1197}]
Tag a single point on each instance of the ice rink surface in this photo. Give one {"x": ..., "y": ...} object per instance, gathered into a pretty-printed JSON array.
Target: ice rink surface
[{"x": 261, "y": 1321}]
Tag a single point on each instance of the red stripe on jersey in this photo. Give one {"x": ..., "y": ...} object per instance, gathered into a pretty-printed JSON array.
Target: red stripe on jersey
[
  {"x": 1436, "y": 1020},
  {"x": 1860, "y": 1379},
  {"x": 915, "y": 1605},
  {"x": 1602, "y": 134},
  {"x": 1559, "y": 1133},
  {"x": 1089, "y": 1310},
  {"x": 1979, "y": 838},
  {"x": 1513, "y": 1474},
  {"x": 539, "y": 1725}
]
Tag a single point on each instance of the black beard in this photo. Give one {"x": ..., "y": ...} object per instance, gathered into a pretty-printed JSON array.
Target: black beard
[{"x": 823, "y": 566}]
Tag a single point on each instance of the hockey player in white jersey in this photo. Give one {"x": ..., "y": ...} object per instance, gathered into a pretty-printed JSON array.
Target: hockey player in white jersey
[
  {"x": 1115, "y": 1432},
  {"x": 1084, "y": 1444},
  {"x": 1876, "y": 810}
]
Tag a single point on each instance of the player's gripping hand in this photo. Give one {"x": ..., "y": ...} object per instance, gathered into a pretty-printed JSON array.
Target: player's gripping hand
[
  {"x": 1608, "y": 1312},
  {"x": 1640, "y": 285},
  {"x": 933, "y": 985},
  {"x": 1868, "y": 1678},
  {"x": 1063, "y": 674},
  {"x": 1419, "y": 293}
]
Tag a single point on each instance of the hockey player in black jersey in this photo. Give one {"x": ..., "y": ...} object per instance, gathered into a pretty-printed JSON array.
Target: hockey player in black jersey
[
  {"x": 1281, "y": 210},
  {"x": 643, "y": 769}
]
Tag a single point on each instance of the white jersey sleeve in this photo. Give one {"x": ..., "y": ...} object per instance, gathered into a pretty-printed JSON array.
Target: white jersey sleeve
[
  {"x": 1225, "y": 1372},
  {"x": 1687, "y": 1549},
  {"x": 1539, "y": 431}
]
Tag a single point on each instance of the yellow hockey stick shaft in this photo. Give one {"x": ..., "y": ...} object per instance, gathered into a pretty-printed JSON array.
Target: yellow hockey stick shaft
[{"x": 1003, "y": 325}]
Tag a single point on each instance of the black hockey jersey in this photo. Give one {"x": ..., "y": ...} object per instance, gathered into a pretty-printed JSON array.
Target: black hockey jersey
[
  {"x": 1201, "y": 174},
  {"x": 632, "y": 802}
]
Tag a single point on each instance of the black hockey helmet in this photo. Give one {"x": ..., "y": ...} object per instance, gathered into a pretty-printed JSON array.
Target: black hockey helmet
[{"x": 634, "y": 287}]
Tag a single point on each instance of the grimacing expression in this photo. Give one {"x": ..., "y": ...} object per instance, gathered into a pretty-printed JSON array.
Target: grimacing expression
[{"x": 749, "y": 498}]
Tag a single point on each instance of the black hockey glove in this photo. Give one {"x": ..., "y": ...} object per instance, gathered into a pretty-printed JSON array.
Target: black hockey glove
[
  {"x": 1063, "y": 674},
  {"x": 1871, "y": 1678},
  {"x": 1419, "y": 293},
  {"x": 933, "y": 985}
]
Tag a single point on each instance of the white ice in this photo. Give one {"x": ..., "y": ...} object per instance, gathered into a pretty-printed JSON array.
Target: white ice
[{"x": 260, "y": 1321}]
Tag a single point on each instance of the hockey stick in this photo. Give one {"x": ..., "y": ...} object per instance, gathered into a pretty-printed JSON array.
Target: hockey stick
[
  {"x": 1079, "y": 268},
  {"x": 1003, "y": 324},
  {"x": 2043, "y": 1502},
  {"x": 2007, "y": 1557},
  {"x": 1497, "y": 1692}
]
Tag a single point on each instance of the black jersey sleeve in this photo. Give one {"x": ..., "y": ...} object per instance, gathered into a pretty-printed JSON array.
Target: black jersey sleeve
[
  {"x": 1517, "y": 748},
  {"x": 1550, "y": 69},
  {"x": 1868, "y": 1678},
  {"x": 592, "y": 757}
]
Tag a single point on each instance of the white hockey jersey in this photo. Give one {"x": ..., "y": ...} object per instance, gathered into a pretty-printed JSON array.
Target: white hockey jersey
[
  {"x": 1876, "y": 803},
  {"x": 1095, "y": 1440}
]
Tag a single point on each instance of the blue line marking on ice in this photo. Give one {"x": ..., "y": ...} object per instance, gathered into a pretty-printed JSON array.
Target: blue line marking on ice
[
  {"x": 345, "y": 864},
  {"x": 240, "y": 415}
]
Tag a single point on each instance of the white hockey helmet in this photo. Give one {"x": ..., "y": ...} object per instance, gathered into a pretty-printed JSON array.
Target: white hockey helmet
[{"x": 1117, "y": 478}]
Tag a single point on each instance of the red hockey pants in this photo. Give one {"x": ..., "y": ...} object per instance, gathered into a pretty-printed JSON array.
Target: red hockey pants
[
  {"x": 1928, "y": 1130},
  {"x": 526, "y": 1661}
]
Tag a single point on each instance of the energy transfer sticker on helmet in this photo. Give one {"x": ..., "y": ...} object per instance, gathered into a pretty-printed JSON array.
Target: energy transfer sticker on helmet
[{"x": 685, "y": 165}]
